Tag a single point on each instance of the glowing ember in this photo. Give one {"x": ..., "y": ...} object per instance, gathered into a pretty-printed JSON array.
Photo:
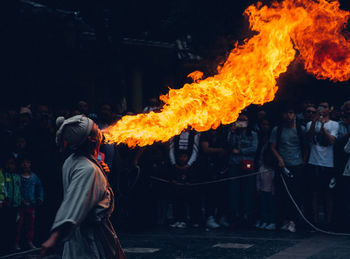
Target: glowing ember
[{"x": 249, "y": 74}]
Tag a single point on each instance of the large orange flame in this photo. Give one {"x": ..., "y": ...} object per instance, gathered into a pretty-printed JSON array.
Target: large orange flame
[{"x": 313, "y": 28}]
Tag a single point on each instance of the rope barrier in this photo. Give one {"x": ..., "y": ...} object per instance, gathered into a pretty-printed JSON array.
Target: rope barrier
[
  {"x": 206, "y": 182},
  {"x": 21, "y": 253},
  {"x": 303, "y": 216}
]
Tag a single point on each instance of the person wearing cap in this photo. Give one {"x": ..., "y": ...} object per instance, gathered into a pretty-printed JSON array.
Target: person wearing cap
[{"x": 82, "y": 221}]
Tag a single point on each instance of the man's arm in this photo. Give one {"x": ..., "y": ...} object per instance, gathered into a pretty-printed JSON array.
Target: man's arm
[
  {"x": 277, "y": 155},
  {"x": 330, "y": 136}
]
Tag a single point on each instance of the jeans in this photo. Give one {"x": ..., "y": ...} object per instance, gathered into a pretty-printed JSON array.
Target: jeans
[{"x": 267, "y": 207}]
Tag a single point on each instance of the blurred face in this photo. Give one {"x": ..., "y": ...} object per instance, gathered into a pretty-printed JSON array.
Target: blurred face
[
  {"x": 20, "y": 143},
  {"x": 83, "y": 107},
  {"x": 25, "y": 166},
  {"x": 346, "y": 111},
  {"x": 323, "y": 109},
  {"x": 24, "y": 119},
  {"x": 106, "y": 112},
  {"x": 11, "y": 165},
  {"x": 242, "y": 122},
  {"x": 309, "y": 113},
  {"x": 261, "y": 115},
  {"x": 289, "y": 116},
  {"x": 96, "y": 138},
  {"x": 265, "y": 126}
]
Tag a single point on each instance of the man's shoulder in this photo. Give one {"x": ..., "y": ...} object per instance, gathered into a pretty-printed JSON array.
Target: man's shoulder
[{"x": 332, "y": 124}]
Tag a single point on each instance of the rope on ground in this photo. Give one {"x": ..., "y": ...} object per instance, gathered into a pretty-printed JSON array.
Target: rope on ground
[
  {"x": 206, "y": 182},
  {"x": 21, "y": 253},
  {"x": 303, "y": 216}
]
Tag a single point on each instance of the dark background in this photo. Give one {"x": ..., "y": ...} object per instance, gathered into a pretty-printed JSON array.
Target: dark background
[{"x": 58, "y": 52}]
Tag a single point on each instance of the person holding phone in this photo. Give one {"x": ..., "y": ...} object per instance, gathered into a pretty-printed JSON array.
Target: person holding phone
[{"x": 322, "y": 133}]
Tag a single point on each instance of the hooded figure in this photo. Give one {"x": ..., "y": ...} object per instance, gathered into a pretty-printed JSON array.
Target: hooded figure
[{"x": 82, "y": 221}]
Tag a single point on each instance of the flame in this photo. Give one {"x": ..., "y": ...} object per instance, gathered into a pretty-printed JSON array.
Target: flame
[{"x": 313, "y": 29}]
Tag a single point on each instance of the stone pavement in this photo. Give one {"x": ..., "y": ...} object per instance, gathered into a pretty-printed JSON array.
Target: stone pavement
[{"x": 227, "y": 244}]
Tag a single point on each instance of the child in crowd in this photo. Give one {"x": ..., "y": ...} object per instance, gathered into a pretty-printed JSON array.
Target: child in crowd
[
  {"x": 265, "y": 188},
  {"x": 13, "y": 197},
  {"x": 31, "y": 196}
]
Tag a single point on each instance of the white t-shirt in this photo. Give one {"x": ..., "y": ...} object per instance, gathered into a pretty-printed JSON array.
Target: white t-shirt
[{"x": 322, "y": 155}]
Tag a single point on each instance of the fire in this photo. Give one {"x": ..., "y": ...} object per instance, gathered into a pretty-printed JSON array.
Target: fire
[{"x": 306, "y": 29}]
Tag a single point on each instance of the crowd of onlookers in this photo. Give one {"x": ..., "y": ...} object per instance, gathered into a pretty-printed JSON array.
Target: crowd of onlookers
[{"x": 307, "y": 148}]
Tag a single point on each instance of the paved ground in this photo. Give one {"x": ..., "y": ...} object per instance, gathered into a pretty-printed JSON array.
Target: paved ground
[{"x": 225, "y": 244}]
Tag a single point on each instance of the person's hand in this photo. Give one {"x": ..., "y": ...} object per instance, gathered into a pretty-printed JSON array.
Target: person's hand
[
  {"x": 316, "y": 116},
  {"x": 104, "y": 167},
  {"x": 235, "y": 151},
  {"x": 281, "y": 163}
]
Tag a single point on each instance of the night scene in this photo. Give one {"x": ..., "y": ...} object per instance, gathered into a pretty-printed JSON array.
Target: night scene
[{"x": 178, "y": 129}]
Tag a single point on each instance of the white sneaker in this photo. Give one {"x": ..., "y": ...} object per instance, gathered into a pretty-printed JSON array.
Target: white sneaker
[
  {"x": 223, "y": 222},
  {"x": 195, "y": 225},
  {"x": 257, "y": 224},
  {"x": 182, "y": 225},
  {"x": 17, "y": 247},
  {"x": 291, "y": 227},
  {"x": 271, "y": 226},
  {"x": 175, "y": 225},
  {"x": 285, "y": 227},
  {"x": 211, "y": 223},
  {"x": 263, "y": 225}
]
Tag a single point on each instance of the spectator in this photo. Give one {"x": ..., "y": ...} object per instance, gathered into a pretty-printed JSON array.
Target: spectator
[
  {"x": 263, "y": 141},
  {"x": 153, "y": 105},
  {"x": 21, "y": 146},
  {"x": 288, "y": 146},
  {"x": 266, "y": 189},
  {"x": 213, "y": 165},
  {"x": 342, "y": 201},
  {"x": 243, "y": 144},
  {"x": 183, "y": 155},
  {"x": 31, "y": 196},
  {"x": 13, "y": 198},
  {"x": 308, "y": 113},
  {"x": 322, "y": 132}
]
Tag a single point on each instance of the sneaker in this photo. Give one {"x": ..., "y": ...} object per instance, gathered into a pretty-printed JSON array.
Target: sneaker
[
  {"x": 257, "y": 224},
  {"x": 332, "y": 183},
  {"x": 263, "y": 225},
  {"x": 195, "y": 225},
  {"x": 271, "y": 226},
  {"x": 223, "y": 222},
  {"x": 31, "y": 245},
  {"x": 175, "y": 225},
  {"x": 291, "y": 227},
  {"x": 17, "y": 247},
  {"x": 285, "y": 227},
  {"x": 211, "y": 223},
  {"x": 182, "y": 225}
]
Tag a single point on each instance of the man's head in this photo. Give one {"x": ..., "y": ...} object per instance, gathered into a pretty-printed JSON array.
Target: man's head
[
  {"x": 324, "y": 109},
  {"x": 83, "y": 107},
  {"x": 265, "y": 126},
  {"x": 289, "y": 115},
  {"x": 106, "y": 113},
  {"x": 10, "y": 164},
  {"x": 25, "y": 164},
  {"x": 78, "y": 133},
  {"x": 346, "y": 111},
  {"x": 20, "y": 143},
  {"x": 309, "y": 113},
  {"x": 25, "y": 116}
]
